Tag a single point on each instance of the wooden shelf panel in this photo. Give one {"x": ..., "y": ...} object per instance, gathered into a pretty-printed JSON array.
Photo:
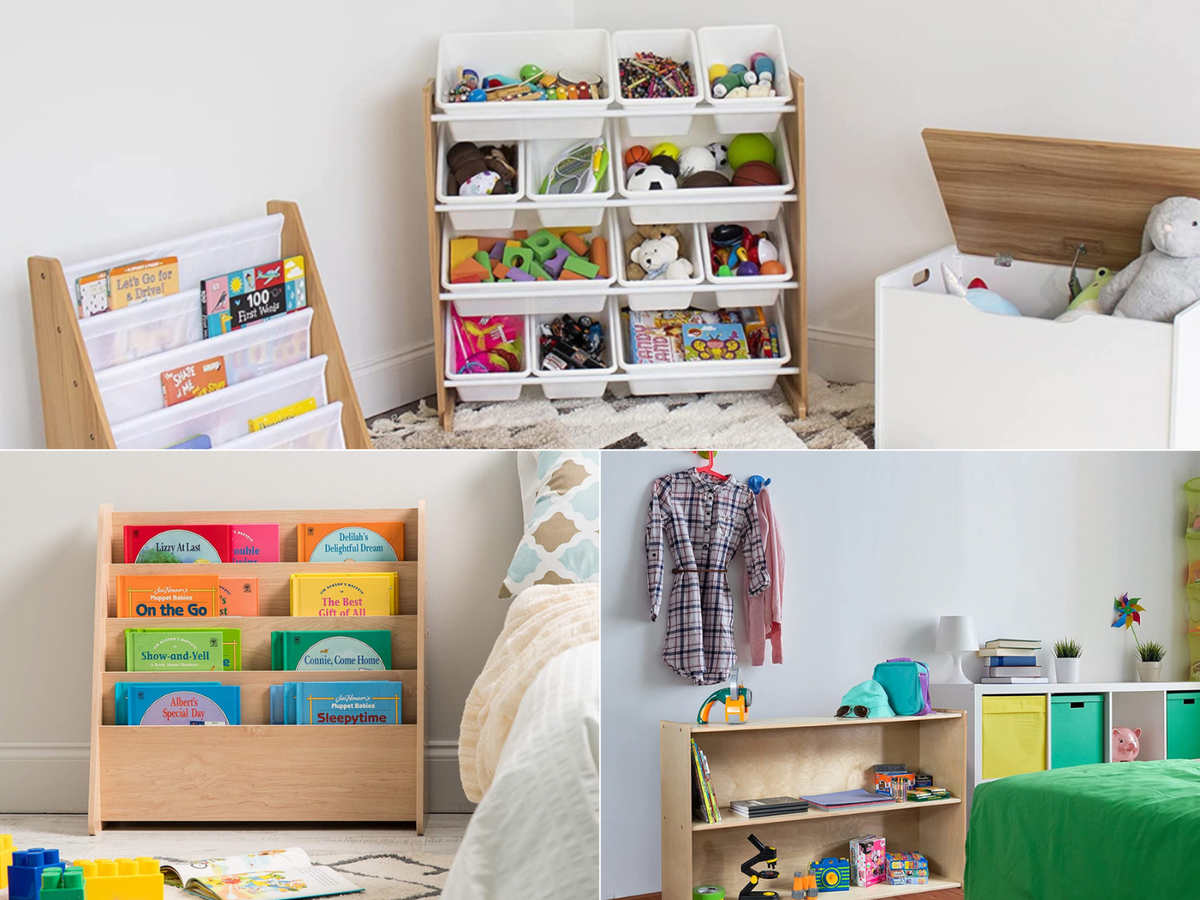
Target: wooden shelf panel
[
  {"x": 730, "y": 820},
  {"x": 259, "y": 773},
  {"x": 820, "y": 722},
  {"x": 287, "y": 519},
  {"x": 936, "y": 883},
  {"x": 256, "y": 694},
  {"x": 256, "y": 635},
  {"x": 274, "y": 590}
]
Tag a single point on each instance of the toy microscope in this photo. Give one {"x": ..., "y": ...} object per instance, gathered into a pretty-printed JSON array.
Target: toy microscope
[
  {"x": 766, "y": 855},
  {"x": 736, "y": 698}
]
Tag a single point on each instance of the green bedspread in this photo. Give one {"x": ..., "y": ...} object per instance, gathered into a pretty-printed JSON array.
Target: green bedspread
[{"x": 1114, "y": 830}]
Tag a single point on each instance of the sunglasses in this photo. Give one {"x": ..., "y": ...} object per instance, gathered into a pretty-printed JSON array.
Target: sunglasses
[{"x": 844, "y": 712}]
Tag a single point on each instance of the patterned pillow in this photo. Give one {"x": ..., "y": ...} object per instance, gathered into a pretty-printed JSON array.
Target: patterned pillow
[{"x": 560, "y": 496}]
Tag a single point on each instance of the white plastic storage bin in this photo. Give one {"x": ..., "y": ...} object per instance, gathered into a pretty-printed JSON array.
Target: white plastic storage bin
[
  {"x": 668, "y": 115},
  {"x": 135, "y": 332},
  {"x": 493, "y": 385},
  {"x": 582, "y": 383},
  {"x": 527, "y": 297},
  {"x": 706, "y": 377},
  {"x": 498, "y": 211},
  {"x": 504, "y": 53},
  {"x": 760, "y": 290},
  {"x": 729, "y": 44},
  {"x": 688, "y": 205},
  {"x": 225, "y": 415},
  {"x": 566, "y": 210},
  {"x": 320, "y": 429},
  {"x": 135, "y": 389},
  {"x": 660, "y": 294}
]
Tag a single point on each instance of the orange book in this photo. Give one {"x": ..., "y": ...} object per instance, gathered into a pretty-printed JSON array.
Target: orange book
[
  {"x": 350, "y": 542},
  {"x": 167, "y": 596},
  {"x": 237, "y": 596}
]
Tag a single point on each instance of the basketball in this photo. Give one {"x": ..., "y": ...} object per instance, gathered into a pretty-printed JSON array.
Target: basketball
[
  {"x": 757, "y": 174},
  {"x": 637, "y": 154},
  {"x": 705, "y": 180}
]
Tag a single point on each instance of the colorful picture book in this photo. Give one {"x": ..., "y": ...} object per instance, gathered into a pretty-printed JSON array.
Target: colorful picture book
[
  {"x": 367, "y": 594},
  {"x": 193, "y": 380},
  {"x": 167, "y": 596},
  {"x": 283, "y": 414},
  {"x": 266, "y": 875},
  {"x": 178, "y": 703},
  {"x": 162, "y": 640},
  {"x": 350, "y": 542},
  {"x": 659, "y": 337},
  {"x": 336, "y": 703},
  {"x": 126, "y": 285},
  {"x": 239, "y": 299},
  {"x": 237, "y": 596},
  {"x": 196, "y": 442},
  {"x": 704, "y": 800},
  {"x": 201, "y": 543},
  {"x": 710, "y": 343},
  {"x": 331, "y": 651}
]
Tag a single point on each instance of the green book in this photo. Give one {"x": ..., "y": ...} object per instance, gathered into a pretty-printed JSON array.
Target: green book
[
  {"x": 331, "y": 651},
  {"x": 183, "y": 649}
]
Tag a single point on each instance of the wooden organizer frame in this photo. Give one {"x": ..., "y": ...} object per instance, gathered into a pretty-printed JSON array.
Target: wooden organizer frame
[
  {"x": 794, "y": 300},
  {"x": 73, "y": 412},
  {"x": 257, "y": 772},
  {"x": 770, "y": 757}
]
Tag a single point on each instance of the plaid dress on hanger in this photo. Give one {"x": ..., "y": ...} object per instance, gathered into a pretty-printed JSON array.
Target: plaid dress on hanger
[{"x": 704, "y": 521}]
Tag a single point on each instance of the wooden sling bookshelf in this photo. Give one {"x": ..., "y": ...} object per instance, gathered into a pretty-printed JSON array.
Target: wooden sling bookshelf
[
  {"x": 72, "y": 408},
  {"x": 258, "y": 772}
]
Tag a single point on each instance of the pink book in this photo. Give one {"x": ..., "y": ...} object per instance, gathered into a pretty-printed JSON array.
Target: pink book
[{"x": 255, "y": 543}]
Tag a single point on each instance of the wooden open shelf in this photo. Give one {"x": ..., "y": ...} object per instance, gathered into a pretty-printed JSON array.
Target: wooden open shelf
[
  {"x": 258, "y": 772},
  {"x": 773, "y": 757}
]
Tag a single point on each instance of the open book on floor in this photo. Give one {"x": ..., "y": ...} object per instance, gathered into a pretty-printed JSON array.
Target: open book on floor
[{"x": 266, "y": 875}]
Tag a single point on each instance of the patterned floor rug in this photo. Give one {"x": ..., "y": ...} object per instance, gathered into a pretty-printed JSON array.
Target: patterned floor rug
[{"x": 841, "y": 417}]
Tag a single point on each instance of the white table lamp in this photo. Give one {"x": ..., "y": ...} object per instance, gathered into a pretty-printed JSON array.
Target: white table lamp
[{"x": 956, "y": 636}]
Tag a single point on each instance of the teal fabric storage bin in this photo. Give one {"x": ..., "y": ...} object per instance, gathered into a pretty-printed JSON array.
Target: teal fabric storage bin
[
  {"x": 1183, "y": 725},
  {"x": 1076, "y": 730}
]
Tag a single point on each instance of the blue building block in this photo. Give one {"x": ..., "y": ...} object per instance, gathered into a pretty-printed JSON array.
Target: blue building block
[{"x": 25, "y": 873}]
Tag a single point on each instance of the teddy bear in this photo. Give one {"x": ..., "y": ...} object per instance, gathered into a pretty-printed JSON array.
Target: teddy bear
[
  {"x": 1165, "y": 280},
  {"x": 641, "y": 234},
  {"x": 660, "y": 260}
]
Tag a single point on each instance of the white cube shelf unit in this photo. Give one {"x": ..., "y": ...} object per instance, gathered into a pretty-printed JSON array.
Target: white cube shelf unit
[{"x": 542, "y": 129}]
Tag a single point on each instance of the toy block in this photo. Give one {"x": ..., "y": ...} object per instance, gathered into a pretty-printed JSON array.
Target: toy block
[
  {"x": 535, "y": 269},
  {"x": 581, "y": 267},
  {"x": 62, "y": 883},
  {"x": 25, "y": 873},
  {"x": 6, "y": 852},
  {"x": 485, "y": 263},
  {"x": 568, "y": 275},
  {"x": 469, "y": 272},
  {"x": 575, "y": 243},
  {"x": 488, "y": 244},
  {"x": 87, "y": 865},
  {"x": 512, "y": 243},
  {"x": 121, "y": 879},
  {"x": 517, "y": 257},
  {"x": 520, "y": 235},
  {"x": 554, "y": 265},
  {"x": 598, "y": 254},
  {"x": 497, "y": 251},
  {"x": 500, "y": 270},
  {"x": 543, "y": 244},
  {"x": 462, "y": 249},
  {"x": 515, "y": 274}
]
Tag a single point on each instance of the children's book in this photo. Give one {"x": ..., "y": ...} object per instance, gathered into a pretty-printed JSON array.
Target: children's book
[
  {"x": 141, "y": 281},
  {"x": 167, "y": 596},
  {"x": 331, "y": 651},
  {"x": 234, "y": 301},
  {"x": 177, "y": 544},
  {"x": 164, "y": 650},
  {"x": 350, "y": 542},
  {"x": 231, "y": 645},
  {"x": 283, "y": 414},
  {"x": 237, "y": 596},
  {"x": 368, "y": 594},
  {"x": 709, "y": 343},
  {"x": 336, "y": 703},
  {"x": 178, "y": 703},
  {"x": 193, "y": 380},
  {"x": 254, "y": 543},
  {"x": 196, "y": 442},
  {"x": 265, "y": 875}
]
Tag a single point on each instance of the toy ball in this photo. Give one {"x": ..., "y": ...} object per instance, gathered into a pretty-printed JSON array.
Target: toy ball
[
  {"x": 767, "y": 251},
  {"x": 717, "y": 71},
  {"x": 637, "y": 154},
  {"x": 634, "y": 169},
  {"x": 709, "y": 179},
  {"x": 666, "y": 163},
  {"x": 653, "y": 178},
  {"x": 748, "y": 270},
  {"x": 720, "y": 153},
  {"x": 772, "y": 267},
  {"x": 756, "y": 173},
  {"x": 751, "y": 148},
  {"x": 529, "y": 71},
  {"x": 696, "y": 159},
  {"x": 666, "y": 148},
  {"x": 478, "y": 95}
]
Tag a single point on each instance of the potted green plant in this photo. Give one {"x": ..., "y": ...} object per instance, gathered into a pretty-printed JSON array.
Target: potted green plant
[
  {"x": 1067, "y": 655},
  {"x": 1151, "y": 653}
]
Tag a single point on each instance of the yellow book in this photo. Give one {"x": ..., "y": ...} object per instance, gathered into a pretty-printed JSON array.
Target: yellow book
[
  {"x": 141, "y": 281},
  {"x": 283, "y": 414},
  {"x": 367, "y": 594}
]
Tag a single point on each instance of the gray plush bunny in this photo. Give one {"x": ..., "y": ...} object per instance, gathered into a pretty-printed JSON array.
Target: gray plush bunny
[{"x": 1165, "y": 280}]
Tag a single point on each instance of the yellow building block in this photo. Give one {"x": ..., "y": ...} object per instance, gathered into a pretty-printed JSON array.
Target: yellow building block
[
  {"x": 121, "y": 879},
  {"x": 462, "y": 249},
  {"x": 6, "y": 851}
]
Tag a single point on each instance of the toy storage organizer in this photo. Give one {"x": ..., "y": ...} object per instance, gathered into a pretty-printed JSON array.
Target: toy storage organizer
[
  {"x": 543, "y": 130},
  {"x": 100, "y": 377},
  {"x": 948, "y": 376},
  {"x": 793, "y": 757},
  {"x": 256, "y": 771}
]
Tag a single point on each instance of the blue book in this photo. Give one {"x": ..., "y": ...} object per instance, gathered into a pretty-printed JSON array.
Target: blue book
[
  {"x": 1010, "y": 661},
  {"x": 336, "y": 703},
  {"x": 177, "y": 703}
]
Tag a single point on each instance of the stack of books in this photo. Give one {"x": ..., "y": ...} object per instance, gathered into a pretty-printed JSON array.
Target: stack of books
[
  {"x": 1011, "y": 661},
  {"x": 704, "y": 799},
  {"x": 769, "y": 806}
]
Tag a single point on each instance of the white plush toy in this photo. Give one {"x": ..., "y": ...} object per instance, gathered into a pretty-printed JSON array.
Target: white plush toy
[
  {"x": 660, "y": 259},
  {"x": 1165, "y": 280}
]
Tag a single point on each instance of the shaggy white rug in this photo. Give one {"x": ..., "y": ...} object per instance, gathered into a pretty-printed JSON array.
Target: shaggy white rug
[{"x": 841, "y": 417}]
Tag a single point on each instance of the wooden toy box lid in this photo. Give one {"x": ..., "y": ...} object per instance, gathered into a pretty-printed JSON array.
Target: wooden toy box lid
[{"x": 1037, "y": 199}]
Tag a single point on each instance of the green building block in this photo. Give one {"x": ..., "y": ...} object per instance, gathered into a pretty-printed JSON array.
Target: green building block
[
  {"x": 544, "y": 244},
  {"x": 581, "y": 266},
  {"x": 60, "y": 883},
  {"x": 486, "y": 261},
  {"x": 535, "y": 269},
  {"x": 517, "y": 257}
]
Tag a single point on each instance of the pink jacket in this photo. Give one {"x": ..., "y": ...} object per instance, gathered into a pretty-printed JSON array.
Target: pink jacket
[{"x": 764, "y": 613}]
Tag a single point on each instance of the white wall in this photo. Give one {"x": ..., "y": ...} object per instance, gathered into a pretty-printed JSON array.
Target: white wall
[
  {"x": 878, "y": 547},
  {"x": 51, "y": 501}
]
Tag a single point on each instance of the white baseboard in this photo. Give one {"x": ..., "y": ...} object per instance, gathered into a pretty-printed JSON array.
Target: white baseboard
[
  {"x": 841, "y": 355},
  {"x": 395, "y": 379}
]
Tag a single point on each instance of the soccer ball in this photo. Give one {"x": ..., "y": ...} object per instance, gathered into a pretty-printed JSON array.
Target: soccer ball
[
  {"x": 720, "y": 153},
  {"x": 653, "y": 178}
]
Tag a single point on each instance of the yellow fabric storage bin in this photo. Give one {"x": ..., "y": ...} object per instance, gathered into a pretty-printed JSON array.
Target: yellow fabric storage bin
[{"x": 1014, "y": 735}]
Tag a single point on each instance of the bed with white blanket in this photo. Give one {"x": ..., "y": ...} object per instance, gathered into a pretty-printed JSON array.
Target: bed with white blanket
[{"x": 529, "y": 753}]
